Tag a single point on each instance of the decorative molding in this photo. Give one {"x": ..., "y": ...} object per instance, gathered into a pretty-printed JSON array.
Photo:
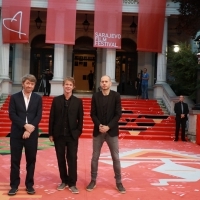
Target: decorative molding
[{"x": 129, "y": 6}]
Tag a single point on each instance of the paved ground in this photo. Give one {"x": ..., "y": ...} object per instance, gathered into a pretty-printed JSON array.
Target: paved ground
[{"x": 151, "y": 170}]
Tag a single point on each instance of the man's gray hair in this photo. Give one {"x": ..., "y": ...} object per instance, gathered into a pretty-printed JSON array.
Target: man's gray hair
[{"x": 29, "y": 77}]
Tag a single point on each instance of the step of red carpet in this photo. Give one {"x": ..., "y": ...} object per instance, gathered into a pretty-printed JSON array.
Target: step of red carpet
[{"x": 140, "y": 119}]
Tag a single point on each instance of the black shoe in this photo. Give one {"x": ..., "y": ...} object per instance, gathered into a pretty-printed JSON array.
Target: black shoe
[
  {"x": 30, "y": 190},
  {"x": 175, "y": 140},
  {"x": 120, "y": 188},
  {"x": 12, "y": 191},
  {"x": 184, "y": 140},
  {"x": 91, "y": 186}
]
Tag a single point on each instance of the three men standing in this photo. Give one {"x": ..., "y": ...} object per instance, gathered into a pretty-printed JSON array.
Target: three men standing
[{"x": 65, "y": 127}]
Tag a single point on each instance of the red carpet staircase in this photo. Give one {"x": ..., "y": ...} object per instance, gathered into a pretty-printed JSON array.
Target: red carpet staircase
[{"x": 141, "y": 119}]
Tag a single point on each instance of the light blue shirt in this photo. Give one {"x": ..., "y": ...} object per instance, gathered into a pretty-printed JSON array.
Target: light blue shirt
[{"x": 145, "y": 81}]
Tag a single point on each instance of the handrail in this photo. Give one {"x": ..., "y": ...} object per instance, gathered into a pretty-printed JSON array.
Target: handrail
[{"x": 170, "y": 98}]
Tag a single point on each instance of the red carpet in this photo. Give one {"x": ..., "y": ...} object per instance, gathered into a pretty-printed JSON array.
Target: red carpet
[
  {"x": 151, "y": 170},
  {"x": 141, "y": 119}
]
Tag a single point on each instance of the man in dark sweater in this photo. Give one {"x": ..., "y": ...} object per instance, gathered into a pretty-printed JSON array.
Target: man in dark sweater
[{"x": 105, "y": 114}]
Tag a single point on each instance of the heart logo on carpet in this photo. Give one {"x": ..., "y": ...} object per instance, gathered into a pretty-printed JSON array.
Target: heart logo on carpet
[{"x": 14, "y": 18}]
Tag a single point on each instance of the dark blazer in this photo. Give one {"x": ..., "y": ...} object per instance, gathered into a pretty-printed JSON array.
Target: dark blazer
[
  {"x": 113, "y": 112},
  {"x": 18, "y": 114},
  {"x": 75, "y": 116},
  {"x": 178, "y": 111}
]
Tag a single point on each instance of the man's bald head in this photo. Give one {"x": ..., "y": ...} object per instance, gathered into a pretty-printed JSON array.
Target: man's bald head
[{"x": 106, "y": 76}]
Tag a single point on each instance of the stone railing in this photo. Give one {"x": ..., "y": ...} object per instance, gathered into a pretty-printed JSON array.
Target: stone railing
[
  {"x": 5, "y": 86},
  {"x": 169, "y": 98}
]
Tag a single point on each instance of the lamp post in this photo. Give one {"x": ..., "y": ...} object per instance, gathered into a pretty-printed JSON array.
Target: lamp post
[
  {"x": 198, "y": 56},
  {"x": 197, "y": 40}
]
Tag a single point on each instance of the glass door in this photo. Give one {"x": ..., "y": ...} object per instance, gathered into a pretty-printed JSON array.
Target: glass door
[
  {"x": 84, "y": 63},
  {"x": 41, "y": 59},
  {"x": 126, "y": 72}
]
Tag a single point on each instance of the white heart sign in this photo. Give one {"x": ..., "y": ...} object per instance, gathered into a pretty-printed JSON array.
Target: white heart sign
[{"x": 14, "y": 19}]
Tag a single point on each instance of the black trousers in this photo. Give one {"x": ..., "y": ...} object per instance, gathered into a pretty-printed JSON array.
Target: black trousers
[
  {"x": 182, "y": 122},
  {"x": 66, "y": 152},
  {"x": 91, "y": 84},
  {"x": 48, "y": 89},
  {"x": 16, "y": 146}
]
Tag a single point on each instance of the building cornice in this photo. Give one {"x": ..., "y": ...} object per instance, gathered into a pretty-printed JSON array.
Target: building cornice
[{"x": 129, "y": 6}]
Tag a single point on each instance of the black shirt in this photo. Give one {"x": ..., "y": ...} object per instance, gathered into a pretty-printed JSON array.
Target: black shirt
[
  {"x": 105, "y": 107},
  {"x": 66, "y": 129}
]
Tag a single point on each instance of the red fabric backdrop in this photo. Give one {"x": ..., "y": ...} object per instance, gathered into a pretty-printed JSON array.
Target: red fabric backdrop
[
  {"x": 151, "y": 19},
  {"x": 198, "y": 130},
  {"x": 61, "y": 22},
  {"x": 15, "y": 21},
  {"x": 107, "y": 24}
]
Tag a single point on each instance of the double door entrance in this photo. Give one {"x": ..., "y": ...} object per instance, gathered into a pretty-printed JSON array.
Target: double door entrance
[
  {"x": 41, "y": 60},
  {"x": 84, "y": 63},
  {"x": 83, "y": 70},
  {"x": 126, "y": 72}
]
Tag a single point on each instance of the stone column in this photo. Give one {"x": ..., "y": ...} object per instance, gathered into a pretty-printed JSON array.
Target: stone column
[
  {"x": 18, "y": 63},
  {"x": 26, "y": 59},
  {"x": 5, "y": 83},
  {"x": 103, "y": 63},
  {"x": 17, "y": 67},
  {"x": 110, "y": 66},
  {"x": 99, "y": 68},
  {"x": 68, "y": 60},
  {"x": 56, "y": 83},
  {"x": 161, "y": 65}
]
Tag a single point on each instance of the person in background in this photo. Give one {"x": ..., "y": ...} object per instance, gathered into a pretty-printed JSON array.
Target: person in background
[
  {"x": 145, "y": 79},
  {"x": 91, "y": 80},
  {"x": 138, "y": 86},
  {"x": 105, "y": 113},
  {"x": 43, "y": 82},
  {"x": 181, "y": 110},
  {"x": 25, "y": 112},
  {"x": 123, "y": 81},
  {"x": 49, "y": 76},
  {"x": 65, "y": 127}
]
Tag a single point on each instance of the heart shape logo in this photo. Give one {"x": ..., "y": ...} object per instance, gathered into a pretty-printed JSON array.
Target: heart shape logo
[{"x": 14, "y": 19}]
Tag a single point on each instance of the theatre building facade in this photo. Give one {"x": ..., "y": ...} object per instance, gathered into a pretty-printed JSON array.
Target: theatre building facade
[{"x": 71, "y": 38}]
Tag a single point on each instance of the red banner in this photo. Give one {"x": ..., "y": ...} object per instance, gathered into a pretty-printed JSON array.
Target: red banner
[
  {"x": 15, "y": 21},
  {"x": 151, "y": 19},
  {"x": 108, "y": 24},
  {"x": 61, "y": 22}
]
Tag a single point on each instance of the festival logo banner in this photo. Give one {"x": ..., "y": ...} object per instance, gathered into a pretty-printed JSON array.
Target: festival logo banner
[
  {"x": 15, "y": 21},
  {"x": 107, "y": 24},
  {"x": 61, "y": 22},
  {"x": 151, "y": 19}
]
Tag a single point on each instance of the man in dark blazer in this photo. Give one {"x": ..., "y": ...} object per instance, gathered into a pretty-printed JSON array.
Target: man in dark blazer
[
  {"x": 65, "y": 127},
  {"x": 105, "y": 113},
  {"x": 181, "y": 110},
  {"x": 25, "y": 112}
]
